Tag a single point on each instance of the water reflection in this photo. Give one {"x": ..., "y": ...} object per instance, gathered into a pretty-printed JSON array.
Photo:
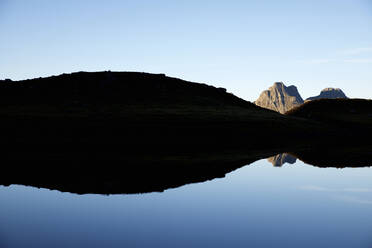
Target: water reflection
[
  {"x": 280, "y": 159},
  {"x": 255, "y": 206},
  {"x": 336, "y": 157},
  {"x": 144, "y": 174}
]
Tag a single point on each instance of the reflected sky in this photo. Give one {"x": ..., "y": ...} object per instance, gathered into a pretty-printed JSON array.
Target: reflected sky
[{"x": 259, "y": 205}]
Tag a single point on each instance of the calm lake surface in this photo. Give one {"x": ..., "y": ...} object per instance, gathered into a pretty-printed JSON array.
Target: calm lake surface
[{"x": 259, "y": 205}]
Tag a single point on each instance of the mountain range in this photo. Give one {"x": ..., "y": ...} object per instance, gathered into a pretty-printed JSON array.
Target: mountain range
[{"x": 281, "y": 98}]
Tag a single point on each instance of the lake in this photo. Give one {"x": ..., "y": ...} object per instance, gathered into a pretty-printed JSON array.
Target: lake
[{"x": 258, "y": 205}]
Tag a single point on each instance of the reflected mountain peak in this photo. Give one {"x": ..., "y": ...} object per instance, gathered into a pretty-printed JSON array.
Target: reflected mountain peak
[{"x": 280, "y": 159}]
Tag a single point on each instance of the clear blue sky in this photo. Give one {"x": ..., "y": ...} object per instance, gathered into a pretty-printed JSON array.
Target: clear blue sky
[{"x": 244, "y": 46}]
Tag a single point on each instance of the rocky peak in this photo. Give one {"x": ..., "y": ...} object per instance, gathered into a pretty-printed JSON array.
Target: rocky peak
[
  {"x": 330, "y": 93},
  {"x": 280, "y": 98}
]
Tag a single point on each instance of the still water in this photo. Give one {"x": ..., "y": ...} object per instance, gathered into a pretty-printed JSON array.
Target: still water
[{"x": 259, "y": 205}]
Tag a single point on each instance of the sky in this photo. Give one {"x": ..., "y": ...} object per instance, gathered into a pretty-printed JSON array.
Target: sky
[{"x": 244, "y": 46}]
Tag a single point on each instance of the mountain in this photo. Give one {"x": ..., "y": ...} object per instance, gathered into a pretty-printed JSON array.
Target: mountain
[
  {"x": 329, "y": 93},
  {"x": 280, "y": 98}
]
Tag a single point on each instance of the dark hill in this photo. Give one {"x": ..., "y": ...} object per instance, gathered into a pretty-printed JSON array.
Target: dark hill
[
  {"x": 110, "y": 110},
  {"x": 355, "y": 114},
  {"x": 114, "y": 87}
]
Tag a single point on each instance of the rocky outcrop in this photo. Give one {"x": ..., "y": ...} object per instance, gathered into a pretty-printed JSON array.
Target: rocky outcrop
[
  {"x": 280, "y": 98},
  {"x": 281, "y": 159},
  {"x": 329, "y": 93}
]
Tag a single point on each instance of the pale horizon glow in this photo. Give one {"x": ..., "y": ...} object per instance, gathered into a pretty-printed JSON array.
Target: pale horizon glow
[{"x": 243, "y": 46}]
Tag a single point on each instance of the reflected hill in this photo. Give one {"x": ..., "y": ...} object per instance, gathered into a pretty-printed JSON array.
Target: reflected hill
[
  {"x": 138, "y": 173},
  {"x": 340, "y": 157},
  {"x": 144, "y": 173}
]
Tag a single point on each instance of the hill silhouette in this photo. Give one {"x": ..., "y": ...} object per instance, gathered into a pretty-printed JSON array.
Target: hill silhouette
[
  {"x": 134, "y": 109},
  {"x": 114, "y": 87},
  {"x": 354, "y": 114}
]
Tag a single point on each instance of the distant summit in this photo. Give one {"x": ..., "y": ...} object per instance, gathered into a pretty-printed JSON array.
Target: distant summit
[
  {"x": 329, "y": 93},
  {"x": 280, "y": 98}
]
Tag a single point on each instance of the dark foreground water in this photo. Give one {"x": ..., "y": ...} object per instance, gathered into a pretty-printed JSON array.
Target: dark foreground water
[{"x": 296, "y": 205}]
